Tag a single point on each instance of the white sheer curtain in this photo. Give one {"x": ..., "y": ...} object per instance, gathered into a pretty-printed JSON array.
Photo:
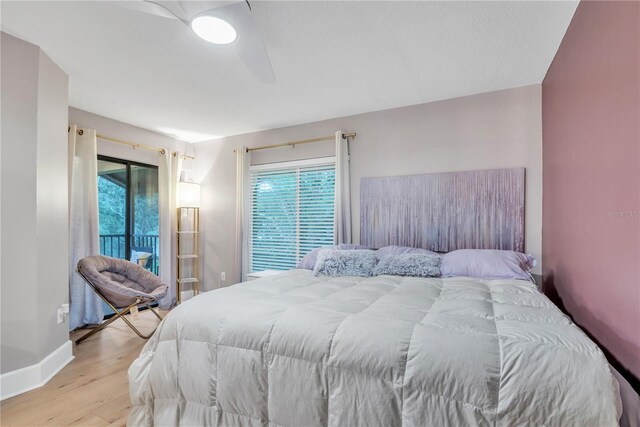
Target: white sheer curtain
[
  {"x": 342, "y": 217},
  {"x": 169, "y": 168},
  {"x": 84, "y": 234},
  {"x": 243, "y": 166}
]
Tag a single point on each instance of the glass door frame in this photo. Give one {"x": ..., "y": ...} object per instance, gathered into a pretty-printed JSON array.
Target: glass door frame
[{"x": 129, "y": 212}]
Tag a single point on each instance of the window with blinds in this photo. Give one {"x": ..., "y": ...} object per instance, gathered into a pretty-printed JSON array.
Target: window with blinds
[{"x": 291, "y": 211}]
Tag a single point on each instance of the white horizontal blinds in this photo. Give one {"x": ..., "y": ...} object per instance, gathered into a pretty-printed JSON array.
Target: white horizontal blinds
[
  {"x": 273, "y": 219},
  {"x": 316, "y": 208},
  {"x": 292, "y": 212}
]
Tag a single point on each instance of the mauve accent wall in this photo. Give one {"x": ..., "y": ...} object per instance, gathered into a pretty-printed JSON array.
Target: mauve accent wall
[{"x": 591, "y": 176}]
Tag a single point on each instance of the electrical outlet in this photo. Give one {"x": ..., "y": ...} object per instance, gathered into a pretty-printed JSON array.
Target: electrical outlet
[
  {"x": 63, "y": 312},
  {"x": 223, "y": 276}
]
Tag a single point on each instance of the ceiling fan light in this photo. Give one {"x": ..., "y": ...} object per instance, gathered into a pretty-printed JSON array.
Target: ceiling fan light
[{"x": 213, "y": 30}]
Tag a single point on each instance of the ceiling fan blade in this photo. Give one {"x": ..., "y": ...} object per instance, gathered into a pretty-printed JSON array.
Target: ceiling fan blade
[
  {"x": 183, "y": 10},
  {"x": 249, "y": 44},
  {"x": 147, "y": 7},
  {"x": 195, "y": 7}
]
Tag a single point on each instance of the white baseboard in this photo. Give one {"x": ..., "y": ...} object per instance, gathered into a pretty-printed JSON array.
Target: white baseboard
[{"x": 34, "y": 376}]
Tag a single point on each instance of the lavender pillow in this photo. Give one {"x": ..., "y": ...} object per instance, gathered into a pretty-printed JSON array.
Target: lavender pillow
[
  {"x": 354, "y": 262},
  {"x": 409, "y": 264},
  {"x": 487, "y": 264},
  {"x": 398, "y": 250},
  {"x": 308, "y": 262}
]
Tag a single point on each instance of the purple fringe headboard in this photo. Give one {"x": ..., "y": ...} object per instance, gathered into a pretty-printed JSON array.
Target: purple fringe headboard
[{"x": 443, "y": 212}]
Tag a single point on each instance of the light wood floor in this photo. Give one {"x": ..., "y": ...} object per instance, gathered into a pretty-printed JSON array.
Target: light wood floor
[{"x": 92, "y": 390}]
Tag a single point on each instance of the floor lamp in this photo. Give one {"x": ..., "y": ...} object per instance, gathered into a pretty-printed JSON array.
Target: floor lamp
[{"x": 188, "y": 249}]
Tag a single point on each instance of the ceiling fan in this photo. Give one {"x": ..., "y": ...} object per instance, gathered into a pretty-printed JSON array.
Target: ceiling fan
[{"x": 218, "y": 22}]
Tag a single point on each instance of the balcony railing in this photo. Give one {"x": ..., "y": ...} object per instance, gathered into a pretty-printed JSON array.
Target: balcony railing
[{"x": 113, "y": 245}]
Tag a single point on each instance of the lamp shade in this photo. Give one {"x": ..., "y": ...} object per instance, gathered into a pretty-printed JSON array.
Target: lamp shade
[{"x": 188, "y": 195}]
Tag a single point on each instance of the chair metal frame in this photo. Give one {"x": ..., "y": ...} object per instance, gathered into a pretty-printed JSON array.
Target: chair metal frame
[{"x": 118, "y": 313}]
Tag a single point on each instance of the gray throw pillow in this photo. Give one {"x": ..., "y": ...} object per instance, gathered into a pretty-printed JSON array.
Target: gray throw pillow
[
  {"x": 308, "y": 262},
  {"x": 410, "y": 264},
  {"x": 356, "y": 262}
]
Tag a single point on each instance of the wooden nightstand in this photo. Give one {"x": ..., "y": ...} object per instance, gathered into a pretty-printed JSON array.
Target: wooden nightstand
[{"x": 260, "y": 274}]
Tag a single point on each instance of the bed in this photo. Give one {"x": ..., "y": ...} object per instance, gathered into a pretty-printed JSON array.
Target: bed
[{"x": 300, "y": 350}]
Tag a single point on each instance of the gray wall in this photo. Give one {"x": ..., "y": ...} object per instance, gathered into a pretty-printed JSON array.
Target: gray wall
[
  {"x": 490, "y": 130},
  {"x": 34, "y": 209}
]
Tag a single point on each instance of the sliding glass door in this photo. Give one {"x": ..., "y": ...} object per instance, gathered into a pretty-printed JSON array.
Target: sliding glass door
[
  {"x": 112, "y": 208},
  {"x": 144, "y": 242},
  {"x": 128, "y": 211}
]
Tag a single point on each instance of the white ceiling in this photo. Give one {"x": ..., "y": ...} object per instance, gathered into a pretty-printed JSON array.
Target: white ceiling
[{"x": 330, "y": 59}]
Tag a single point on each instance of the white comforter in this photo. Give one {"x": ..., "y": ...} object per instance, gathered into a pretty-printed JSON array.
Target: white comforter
[{"x": 299, "y": 350}]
